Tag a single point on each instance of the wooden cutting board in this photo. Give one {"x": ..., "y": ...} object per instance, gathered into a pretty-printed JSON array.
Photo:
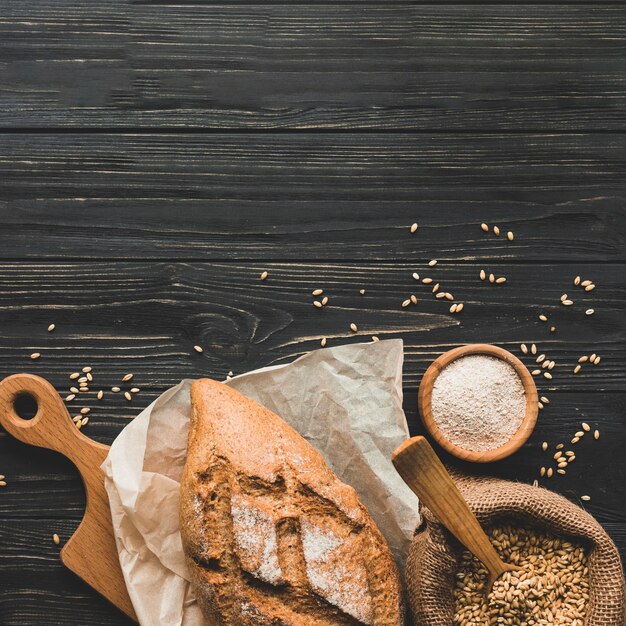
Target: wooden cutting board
[{"x": 91, "y": 552}]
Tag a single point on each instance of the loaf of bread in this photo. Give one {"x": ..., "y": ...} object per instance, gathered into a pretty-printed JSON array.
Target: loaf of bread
[{"x": 271, "y": 536}]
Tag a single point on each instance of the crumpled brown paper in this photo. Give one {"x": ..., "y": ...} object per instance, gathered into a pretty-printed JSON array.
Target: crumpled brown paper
[{"x": 346, "y": 401}]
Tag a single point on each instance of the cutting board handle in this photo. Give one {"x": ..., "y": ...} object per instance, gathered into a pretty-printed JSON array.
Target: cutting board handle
[
  {"x": 91, "y": 552},
  {"x": 51, "y": 427}
]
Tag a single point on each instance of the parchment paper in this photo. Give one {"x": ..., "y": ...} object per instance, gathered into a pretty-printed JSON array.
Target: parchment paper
[{"x": 345, "y": 400}]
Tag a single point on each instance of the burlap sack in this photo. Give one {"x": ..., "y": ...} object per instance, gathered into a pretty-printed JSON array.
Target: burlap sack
[{"x": 433, "y": 555}]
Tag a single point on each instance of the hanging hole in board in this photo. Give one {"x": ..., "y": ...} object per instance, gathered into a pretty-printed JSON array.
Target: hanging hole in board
[{"x": 25, "y": 406}]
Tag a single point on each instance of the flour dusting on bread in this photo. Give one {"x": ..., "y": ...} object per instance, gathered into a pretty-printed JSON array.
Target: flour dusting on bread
[
  {"x": 328, "y": 571},
  {"x": 255, "y": 540}
]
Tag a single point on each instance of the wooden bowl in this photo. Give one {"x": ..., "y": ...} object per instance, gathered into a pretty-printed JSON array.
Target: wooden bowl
[{"x": 530, "y": 390}]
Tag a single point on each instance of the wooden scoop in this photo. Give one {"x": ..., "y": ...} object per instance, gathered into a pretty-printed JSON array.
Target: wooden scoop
[
  {"x": 425, "y": 474},
  {"x": 91, "y": 552}
]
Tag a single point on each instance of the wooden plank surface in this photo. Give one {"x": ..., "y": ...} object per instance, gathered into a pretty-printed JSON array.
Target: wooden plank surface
[
  {"x": 281, "y": 65},
  {"x": 155, "y": 157},
  {"x": 343, "y": 196},
  {"x": 146, "y": 317}
]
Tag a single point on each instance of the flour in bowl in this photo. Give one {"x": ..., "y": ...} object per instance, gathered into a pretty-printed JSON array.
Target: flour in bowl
[{"x": 478, "y": 402}]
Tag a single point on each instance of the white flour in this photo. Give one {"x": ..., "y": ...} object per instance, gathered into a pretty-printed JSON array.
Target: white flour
[{"x": 478, "y": 402}]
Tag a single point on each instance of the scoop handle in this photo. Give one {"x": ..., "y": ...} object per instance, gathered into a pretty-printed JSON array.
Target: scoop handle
[{"x": 425, "y": 474}]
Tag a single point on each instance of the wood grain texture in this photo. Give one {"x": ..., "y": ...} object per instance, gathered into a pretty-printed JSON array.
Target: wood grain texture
[
  {"x": 312, "y": 196},
  {"x": 156, "y": 156},
  {"x": 145, "y": 318},
  {"x": 280, "y": 65},
  {"x": 90, "y": 552}
]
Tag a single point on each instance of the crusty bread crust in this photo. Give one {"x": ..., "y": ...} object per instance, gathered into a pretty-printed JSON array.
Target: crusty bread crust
[{"x": 272, "y": 537}]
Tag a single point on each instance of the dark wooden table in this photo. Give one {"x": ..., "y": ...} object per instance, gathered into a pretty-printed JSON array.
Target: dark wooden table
[{"x": 155, "y": 157}]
